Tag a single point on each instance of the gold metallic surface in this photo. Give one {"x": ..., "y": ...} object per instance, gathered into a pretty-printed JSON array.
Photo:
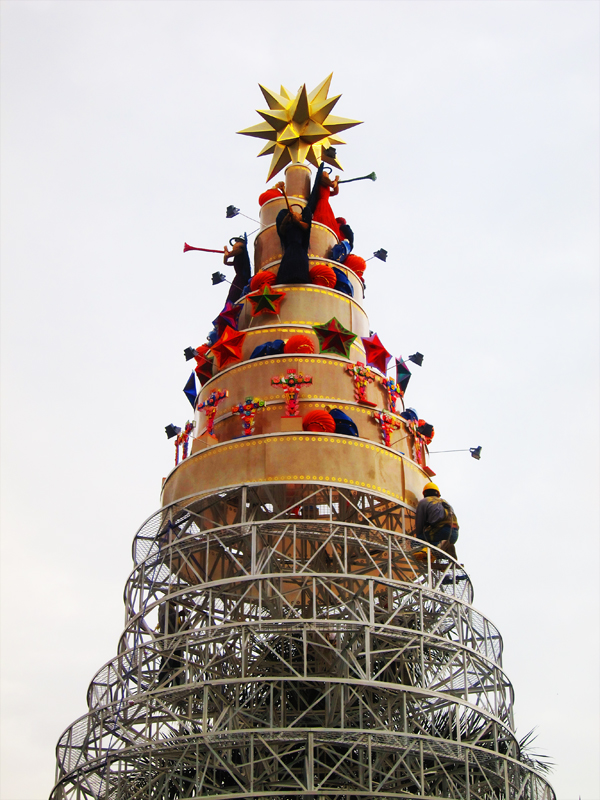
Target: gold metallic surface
[
  {"x": 267, "y": 245},
  {"x": 298, "y": 457},
  {"x": 332, "y": 386},
  {"x": 268, "y": 212},
  {"x": 267, "y": 333},
  {"x": 299, "y": 128},
  {"x": 297, "y": 181},
  {"x": 357, "y": 284},
  {"x": 302, "y": 303}
]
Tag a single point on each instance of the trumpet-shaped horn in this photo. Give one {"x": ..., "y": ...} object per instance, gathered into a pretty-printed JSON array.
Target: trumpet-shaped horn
[
  {"x": 187, "y": 247},
  {"x": 370, "y": 177}
]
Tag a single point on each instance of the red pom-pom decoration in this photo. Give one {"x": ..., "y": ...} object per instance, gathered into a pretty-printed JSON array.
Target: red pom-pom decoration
[
  {"x": 299, "y": 343},
  {"x": 357, "y": 264},
  {"x": 318, "y": 421},
  {"x": 268, "y": 195},
  {"x": 262, "y": 279},
  {"x": 323, "y": 275}
]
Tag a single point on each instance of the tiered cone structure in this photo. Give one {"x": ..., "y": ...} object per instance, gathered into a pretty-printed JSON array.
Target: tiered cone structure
[{"x": 287, "y": 636}]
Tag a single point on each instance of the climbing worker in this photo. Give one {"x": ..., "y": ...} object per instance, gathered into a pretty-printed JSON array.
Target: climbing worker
[{"x": 436, "y": 521}]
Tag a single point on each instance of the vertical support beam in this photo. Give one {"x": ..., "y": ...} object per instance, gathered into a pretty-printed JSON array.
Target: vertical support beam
[
  {"x": 244, "y": 502},
  {"x": 310, "y": 753}
]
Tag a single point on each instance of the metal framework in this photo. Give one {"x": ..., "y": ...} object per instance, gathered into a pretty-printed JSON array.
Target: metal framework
[{"x": 295, "y": 641}]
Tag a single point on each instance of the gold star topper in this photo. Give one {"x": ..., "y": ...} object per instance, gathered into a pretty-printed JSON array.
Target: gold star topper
[{"x": 299, "y": 128}]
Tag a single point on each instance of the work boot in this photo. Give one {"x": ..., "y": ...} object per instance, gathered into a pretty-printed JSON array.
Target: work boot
[{"x": 449, "y": 548}]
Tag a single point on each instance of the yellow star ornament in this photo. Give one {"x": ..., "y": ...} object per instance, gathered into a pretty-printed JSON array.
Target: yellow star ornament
[{"x": 299, "y": 128}]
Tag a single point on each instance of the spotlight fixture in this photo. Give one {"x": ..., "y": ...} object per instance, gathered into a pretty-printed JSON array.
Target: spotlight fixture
[
  {"x": 172, "y": 430},
  {"x": 189, "y": 353},
  {"x": 231, "y": 212},
  {"x": 475, "y": 451}
]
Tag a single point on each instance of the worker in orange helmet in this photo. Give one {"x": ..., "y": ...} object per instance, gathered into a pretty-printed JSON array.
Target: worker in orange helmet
[{"x": 436, "y": 521}]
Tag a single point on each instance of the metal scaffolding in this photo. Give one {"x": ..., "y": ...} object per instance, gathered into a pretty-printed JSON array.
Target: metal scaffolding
[{"x": 296, "y": 641}]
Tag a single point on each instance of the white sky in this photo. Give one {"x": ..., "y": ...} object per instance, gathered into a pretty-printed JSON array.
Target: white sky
[{"x": 118, "y": 121}]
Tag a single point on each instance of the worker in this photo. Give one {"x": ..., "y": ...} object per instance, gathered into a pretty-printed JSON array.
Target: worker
[{"x": 436, "y": 521}]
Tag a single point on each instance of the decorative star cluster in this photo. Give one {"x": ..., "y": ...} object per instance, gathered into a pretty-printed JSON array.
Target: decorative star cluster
[
  {"x": 299, "y": 128},
  {"x": 334, "y": 338}
]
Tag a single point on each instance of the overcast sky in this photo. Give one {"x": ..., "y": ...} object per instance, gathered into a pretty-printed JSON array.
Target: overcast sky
[{"x": 118, "y": 143}]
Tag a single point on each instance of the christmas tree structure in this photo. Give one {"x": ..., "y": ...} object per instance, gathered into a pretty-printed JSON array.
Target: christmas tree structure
[{"x": 287, "y": 634}]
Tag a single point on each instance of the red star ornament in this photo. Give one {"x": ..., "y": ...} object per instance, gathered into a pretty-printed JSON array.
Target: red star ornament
[
  {"x": 228, "y": 316},
  {"x": 266, "y": 300},
  {"x": 376, "y": 354},
  {"x": 204, "y": 368},
  {"x": 334, "y": 338},
  {"x": 228, "y": 349}
]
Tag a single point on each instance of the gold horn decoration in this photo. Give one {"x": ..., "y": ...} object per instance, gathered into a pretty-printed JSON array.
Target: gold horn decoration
[{"x": 299, "y": 128}]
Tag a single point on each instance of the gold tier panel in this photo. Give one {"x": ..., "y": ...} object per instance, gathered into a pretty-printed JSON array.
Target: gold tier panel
[
  {"x": 357, "y": 284},
  {"x": 297, "y": 188},
  {"x": 271, "y": 419},
  {"x": 267, "y": 245},
  {"x": 297, "y": 458},
  {"x": 310, "y": 305},
  {"x": 268, "y": 333},
  {"x": 331, "y": 385},
  {"x": 298, "y": 178},
  {"x": 268, "y": 212}
]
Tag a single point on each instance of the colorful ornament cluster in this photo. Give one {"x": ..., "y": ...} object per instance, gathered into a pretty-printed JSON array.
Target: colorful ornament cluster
[
  {"x": 394, "y": 393},
  {"x": 183, "y": 440},
  {"x": 247, "y": 410},
  {"x": 387, "y": 424},
  {"x": 291, "y": 383},
  {"x": 362, "y": 377},
  {"x": 209, "y": 406}
]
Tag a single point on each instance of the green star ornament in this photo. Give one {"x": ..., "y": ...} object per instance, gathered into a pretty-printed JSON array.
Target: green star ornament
[
  {"x": 265, "y": 301},
  {"x": 334, "y": 338}
]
